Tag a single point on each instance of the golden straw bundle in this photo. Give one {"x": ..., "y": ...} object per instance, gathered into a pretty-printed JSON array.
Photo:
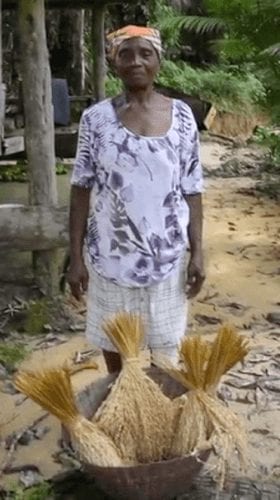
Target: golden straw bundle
[
  {"x": 52, "y": 390},
  {"x": 203, "y": 421},
  {"x": 136, "y": 414}
]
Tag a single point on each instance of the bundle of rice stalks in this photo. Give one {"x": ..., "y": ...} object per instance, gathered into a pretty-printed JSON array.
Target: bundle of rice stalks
[
  {"x": 52, "y": 390},
  {"x": 136, "y": 414},
  {"x": 202, "y": 420}
]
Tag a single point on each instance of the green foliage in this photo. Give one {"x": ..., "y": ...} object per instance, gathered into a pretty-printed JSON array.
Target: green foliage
[
  {"x": 229, "y": 92},
  {"x": 253, "y": 23},
  {"x": 113, "y": 85},
  {"x": 61, "y": 169},
  {"x": 162, "y": 16},
  {"x": 14, "y": 173},
  {"x": 248, "y": 32},
  {"x": 240, "y": 50},
  {"x": 37, "y": 315},
  {"x": 42, "y": 491},
  {"x": 200, "y": 25},
  {"x": 10, "y": 355},
  {"x": 18, "y": 172},
  {"x": 271, "y": 140}
]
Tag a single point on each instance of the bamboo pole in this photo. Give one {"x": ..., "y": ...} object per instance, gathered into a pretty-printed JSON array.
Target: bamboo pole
[{"x": 39, "y": 127}]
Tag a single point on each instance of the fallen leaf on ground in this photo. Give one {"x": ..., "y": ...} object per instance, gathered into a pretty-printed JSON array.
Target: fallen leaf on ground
[{"x": 203, "y": 319}]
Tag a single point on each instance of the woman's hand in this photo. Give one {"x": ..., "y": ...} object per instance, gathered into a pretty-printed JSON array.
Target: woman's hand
[
  {"x": 77, "y": 278},
  {"x": 195, "y": 275}
]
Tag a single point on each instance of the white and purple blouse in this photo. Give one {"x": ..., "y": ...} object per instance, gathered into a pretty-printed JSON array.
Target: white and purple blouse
[{"x": 137, "y": 226}]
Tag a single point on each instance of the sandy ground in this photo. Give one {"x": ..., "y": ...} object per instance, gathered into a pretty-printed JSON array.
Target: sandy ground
[{"x": 243, "y": 285}]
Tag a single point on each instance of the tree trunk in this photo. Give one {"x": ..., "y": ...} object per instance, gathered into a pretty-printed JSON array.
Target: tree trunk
[
  {"x": 2, "y": 88},
  {"x": 39, "y": 126},
  {"x": 99, "y": 58},
  {"x": 1, "y": 30}
]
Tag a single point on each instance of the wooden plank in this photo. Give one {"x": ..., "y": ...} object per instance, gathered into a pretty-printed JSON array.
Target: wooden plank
[
  {"x": 210, "y": 117},
  {"x": 13, "y": 145},
  {"x": 2, "y": 113},
  {"x": 80, "y": 98},
  {"x": 33, "y": 228},
  {"x": 70, "y": 4}
]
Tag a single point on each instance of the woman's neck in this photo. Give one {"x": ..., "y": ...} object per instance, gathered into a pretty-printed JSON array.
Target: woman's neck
[{"x": 140, "y": 96}]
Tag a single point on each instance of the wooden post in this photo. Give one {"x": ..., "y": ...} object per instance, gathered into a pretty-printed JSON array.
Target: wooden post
[
  {"x": 2, "y": 87},
  {"x": 78, "y": 62},
  {"x": 39, "y": 127},
  {"x": 98, "y": 46},
  {"x": 0, "y": 42},
  {"x": 66, "y": 44},
  {"x": 33, "y": 228}
]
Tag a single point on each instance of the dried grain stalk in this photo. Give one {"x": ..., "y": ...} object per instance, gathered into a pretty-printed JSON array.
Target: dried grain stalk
[
  {"x": 203, "y": 420},
  {"x": 52, "y": 390},
  {"x": 136, "y": 414}
]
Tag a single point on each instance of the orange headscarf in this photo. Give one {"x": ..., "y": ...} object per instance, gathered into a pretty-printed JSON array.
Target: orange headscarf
[{"x": 116, "y": 38}]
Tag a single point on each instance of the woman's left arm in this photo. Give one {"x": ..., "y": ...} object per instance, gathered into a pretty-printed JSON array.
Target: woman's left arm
[
  {"x": 196, "y": 274},
  {"x": 192, "y": 187}
]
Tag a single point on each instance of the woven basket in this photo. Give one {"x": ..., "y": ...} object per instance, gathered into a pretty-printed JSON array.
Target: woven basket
[{"x": 156, "y": 481}]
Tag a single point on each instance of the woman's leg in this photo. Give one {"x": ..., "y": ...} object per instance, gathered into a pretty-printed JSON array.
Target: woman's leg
[
  {"x": 170, "y": 353},
  {"x": 113, "y": 361},
  {"x": 167, "y": 315}
]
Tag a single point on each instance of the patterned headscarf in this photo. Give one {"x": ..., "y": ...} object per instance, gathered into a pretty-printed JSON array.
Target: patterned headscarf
[{"x": 116, "y": 38}]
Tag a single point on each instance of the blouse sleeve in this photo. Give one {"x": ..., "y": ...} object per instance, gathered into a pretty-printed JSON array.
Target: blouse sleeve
[
  {"x": 83, "y": 172},
  {"x": 192, "y": 177}
]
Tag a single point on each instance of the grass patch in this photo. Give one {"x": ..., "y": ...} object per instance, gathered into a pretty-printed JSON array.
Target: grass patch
[
  {"x": 38, "y": 314},
  {"x": 42, "y": 491},
  {"x": 11, "y": 355}
]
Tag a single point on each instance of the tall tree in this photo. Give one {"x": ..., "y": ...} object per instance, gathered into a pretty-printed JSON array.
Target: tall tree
[{"x": 39, "y": 127}]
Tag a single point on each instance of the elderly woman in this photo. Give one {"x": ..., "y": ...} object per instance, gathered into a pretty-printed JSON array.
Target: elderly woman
[{"x": 136, "y": 198}]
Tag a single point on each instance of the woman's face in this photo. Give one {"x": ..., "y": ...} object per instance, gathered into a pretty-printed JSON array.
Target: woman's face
[{"x": 137, "y": 63}]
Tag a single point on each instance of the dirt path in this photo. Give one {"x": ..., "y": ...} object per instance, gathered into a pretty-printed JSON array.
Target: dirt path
[{"x": 243, "y": 286}]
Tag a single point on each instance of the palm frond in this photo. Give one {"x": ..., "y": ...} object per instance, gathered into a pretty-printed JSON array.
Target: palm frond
[
  {"x": 235, "y": 49},
  {"x": 195, "y": 24},
  {"x": 258, "y": 7}
]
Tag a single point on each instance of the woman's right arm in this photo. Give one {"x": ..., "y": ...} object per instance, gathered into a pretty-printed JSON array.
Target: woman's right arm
[
  {"x": 79, "y": 209},
  {"x": 82, "y": 182}
]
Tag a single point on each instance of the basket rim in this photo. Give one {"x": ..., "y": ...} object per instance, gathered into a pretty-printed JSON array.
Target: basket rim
[{"x": 199, "y": 456}]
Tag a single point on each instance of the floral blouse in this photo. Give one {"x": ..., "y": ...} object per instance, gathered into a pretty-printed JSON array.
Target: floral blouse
[{"x": 137, "y": 226}]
